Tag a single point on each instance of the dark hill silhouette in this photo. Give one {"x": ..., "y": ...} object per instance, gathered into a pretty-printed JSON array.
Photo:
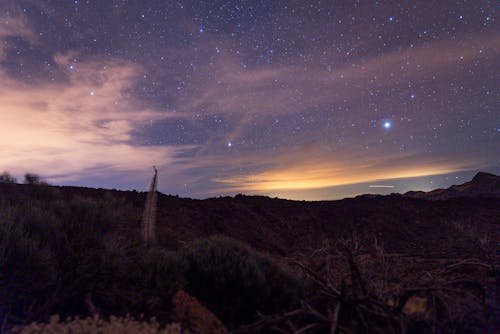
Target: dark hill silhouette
[
  {"x": 482, "y": 185},
  {"x": 76, "y": 251},
  {"x": 408, "y": 223}
]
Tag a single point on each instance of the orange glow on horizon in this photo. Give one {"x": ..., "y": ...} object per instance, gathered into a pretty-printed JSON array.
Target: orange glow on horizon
[{"x": 303, "y": 178}]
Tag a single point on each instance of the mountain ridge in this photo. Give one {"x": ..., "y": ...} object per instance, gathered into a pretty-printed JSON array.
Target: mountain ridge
[
  {"x": 482, "y": 185},
  {"x": 407, "y": 224}
]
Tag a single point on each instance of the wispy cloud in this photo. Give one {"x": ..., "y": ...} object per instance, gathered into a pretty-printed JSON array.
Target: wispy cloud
[
  {"x": 84, "y": 125},
  {"x": 249, "y": 96},
  {"x": 13, "y": 23},
  {"x": 80, "y": 127},
  {"x": 284, "y": 89}
]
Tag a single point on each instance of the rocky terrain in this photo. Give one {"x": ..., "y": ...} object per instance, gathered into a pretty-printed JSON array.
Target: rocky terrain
[{"x": 72, "y": 250}]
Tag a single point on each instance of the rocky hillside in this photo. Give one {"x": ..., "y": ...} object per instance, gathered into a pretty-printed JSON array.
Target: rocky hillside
[
  {"x": 409, "y": 223},
  {"x": 482, "y": 185},
  {"x": 77, "y": 251}
]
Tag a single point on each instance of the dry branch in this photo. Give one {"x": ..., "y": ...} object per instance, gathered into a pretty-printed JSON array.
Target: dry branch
[
  {"x": 149, "y": 216},
  {"x": 357, "y": 304}
]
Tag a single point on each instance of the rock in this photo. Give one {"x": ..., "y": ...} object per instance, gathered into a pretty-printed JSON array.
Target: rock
[
  {"x": 416, "y": 305},
  {"x": 194, "y": 316}
]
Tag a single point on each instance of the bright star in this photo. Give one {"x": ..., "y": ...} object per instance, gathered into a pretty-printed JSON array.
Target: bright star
[
  {"x": 387, "y": 125},
  {"x": 229, "y": 144}
]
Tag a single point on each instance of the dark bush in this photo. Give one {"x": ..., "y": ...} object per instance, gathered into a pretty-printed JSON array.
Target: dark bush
[
  {"x": 7, "y": 178},
  {"x": 31, "y": 178},
  {"x": 236, "y": 281},
  {"x": 167, "y": 237},
  {"x": 53, "y": 253},
  {"x": 77, "y": 255},
  {"x": 161, "y": 274},
  {"x": 27, "y": 274}
]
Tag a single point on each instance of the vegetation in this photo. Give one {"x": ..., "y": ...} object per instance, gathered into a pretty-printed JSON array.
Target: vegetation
[
  {"x": 32, "y": 178},
  {"x": 82, "y": 256},
  {"x": 54, "y": 253},
  {"x": 29, "y": 178},
  {"x": 79, "y": 252},
  {"x": 235, "y": 281},
  {"x": 7, "y": 178},
  {"x": 354, "y": 293},
  {"x": 150, "y": 212},
  {"x": 114, "y": 325}
]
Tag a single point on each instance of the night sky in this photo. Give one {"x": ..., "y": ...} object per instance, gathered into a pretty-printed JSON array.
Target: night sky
[{"x": 295, "y": 99}]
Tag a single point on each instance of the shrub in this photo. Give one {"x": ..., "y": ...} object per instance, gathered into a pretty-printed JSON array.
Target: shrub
[
  {"x": 235, "y": 281},
  {"x": 153, "y": 279},
  {"x": 78, "y": 255},
  {"x": 27, "y": 274},
  {"x": 31, "y": 178},
  {"x": 7, "y": 178},
  {"x": 54, "y": 253},
  {"x": 98, "y": 325}
]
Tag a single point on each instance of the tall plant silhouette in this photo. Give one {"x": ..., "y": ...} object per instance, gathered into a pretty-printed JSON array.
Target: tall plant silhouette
[{"x": 149, "y": 216}]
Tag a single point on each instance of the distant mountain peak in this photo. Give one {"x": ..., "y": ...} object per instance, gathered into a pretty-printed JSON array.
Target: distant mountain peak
[
  {"x": 482, "y": 185},
  {"x": 482, "y": 177}
]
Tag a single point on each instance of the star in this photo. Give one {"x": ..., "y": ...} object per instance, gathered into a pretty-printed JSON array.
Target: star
[{"x": 208, "y": 73}]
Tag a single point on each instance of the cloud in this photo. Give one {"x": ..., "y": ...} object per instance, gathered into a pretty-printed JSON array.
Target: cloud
[
  {"x": 13, "y": 23},
  {"x": 288, "y": 88},
  {"x": 79, "y": 128},
  {"x": 84, "y": 127},
  {"x": 315, "y": 171},
  {"x": 248, "y": 97}
]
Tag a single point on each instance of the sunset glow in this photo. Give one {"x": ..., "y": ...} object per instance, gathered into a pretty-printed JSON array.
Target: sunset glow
[{"x": 249, "y": 104}]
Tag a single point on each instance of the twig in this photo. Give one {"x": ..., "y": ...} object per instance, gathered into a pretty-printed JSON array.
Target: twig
[
  {"x": 335, "y": 319},
  {"x": 318, "y": 279},
  {"x": 314, "y": 312},
  {"x": 307, "y": 328}
]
